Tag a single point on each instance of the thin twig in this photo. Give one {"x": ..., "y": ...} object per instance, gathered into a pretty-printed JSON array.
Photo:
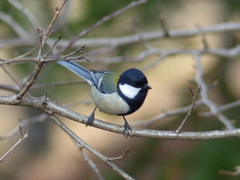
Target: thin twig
[
  {"x": 56, "y": 84},
  {"x": 39, "y": 64},
  {"x": 100, "y": 22},
  {"x": 164, "y": 26},
  {"x": 29, "y": 52},
  {"x": 28, "y": 85},
  {"x": 58, "y": 39},
  {"x": 222, "y": 108},
  {"x": 231, "y": 173},
  {"x": 90, "y": 163},
  {"x": 57, "y": 11},
  {"x": 44, "y": 36},
  {"x": 204, "y": 95},
  {"x": 22, "y": 138},
  {"x": 40, "y": 52},
  {"x": 227, "y": 53},
  {"x": 13, "y": 24},
  {"x": 139, "y": 32},
  {"x": 119, "y": 157},
  {"x": 124, "y": 40},
  {"x": 194, "y": 97},
  {"x": 78, "y": 50},
  {"x": 27, "y": 13},
  {"x": 164, "y": 115},
  {"x": 15, "y": 80},
  {"x": 23, "y": 123},
  {"x": 33, "y": 49},
  {"x": 12, "y": 88}
]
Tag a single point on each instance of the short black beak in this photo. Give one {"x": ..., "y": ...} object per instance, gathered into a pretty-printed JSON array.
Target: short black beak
[{"x": 147, "y": 86}]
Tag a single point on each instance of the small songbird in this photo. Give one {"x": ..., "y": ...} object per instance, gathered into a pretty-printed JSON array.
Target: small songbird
[{"x": 113, "y": 93}]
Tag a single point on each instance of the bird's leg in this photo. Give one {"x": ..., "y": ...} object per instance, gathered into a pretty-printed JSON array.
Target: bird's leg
[
  {"x": 91, "y": 118},
  {"x": 127, "y": 127}
]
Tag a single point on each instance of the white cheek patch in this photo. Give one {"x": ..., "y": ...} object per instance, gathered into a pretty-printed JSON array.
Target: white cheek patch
[{"x": 129, "y": 91}]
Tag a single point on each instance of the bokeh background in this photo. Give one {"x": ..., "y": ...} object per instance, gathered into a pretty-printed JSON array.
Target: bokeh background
[{"x": 50, "y": 154}]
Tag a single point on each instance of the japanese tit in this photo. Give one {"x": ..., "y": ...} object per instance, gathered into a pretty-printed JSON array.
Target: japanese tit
[{"x": 113, "y": 93}]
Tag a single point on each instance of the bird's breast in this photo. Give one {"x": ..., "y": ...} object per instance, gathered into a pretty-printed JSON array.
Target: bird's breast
[{"x": 109, "y": 103}]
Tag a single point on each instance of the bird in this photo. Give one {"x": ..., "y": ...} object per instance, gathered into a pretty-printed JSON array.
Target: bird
[{"x": 113, "y": 93}]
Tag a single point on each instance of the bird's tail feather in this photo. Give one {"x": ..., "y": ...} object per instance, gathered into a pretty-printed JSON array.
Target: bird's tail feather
[{"x": 77, "y": 69}]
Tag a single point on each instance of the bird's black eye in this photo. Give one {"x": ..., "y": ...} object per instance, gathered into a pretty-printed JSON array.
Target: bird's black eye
[{"x": 134, "y": 84}]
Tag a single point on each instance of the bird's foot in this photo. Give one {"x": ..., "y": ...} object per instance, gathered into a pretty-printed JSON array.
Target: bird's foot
[
  {"x": 127, "y": 129},
  {"x": 90, "y": 119}
]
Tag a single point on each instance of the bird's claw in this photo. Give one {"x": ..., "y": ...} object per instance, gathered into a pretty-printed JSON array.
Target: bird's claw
[
  {"x": 127, "y": 129},
  {"x": 90, "y": 119}
]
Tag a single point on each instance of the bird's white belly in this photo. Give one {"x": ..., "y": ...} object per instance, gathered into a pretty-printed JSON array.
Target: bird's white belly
[{"x": 109, "y": 103}]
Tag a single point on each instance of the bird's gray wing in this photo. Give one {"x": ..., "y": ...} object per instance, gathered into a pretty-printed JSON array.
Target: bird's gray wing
[{"x": 105, "y": 81}]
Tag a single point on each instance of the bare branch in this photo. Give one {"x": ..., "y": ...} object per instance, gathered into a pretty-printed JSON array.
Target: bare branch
[
  {"x": 222, "y": 108},
  {"x": 57, "y": 11},
  {"x": 28, "y": 14},
  {"x": 15, "y": 80},
  {"x": 56, "y": 84},
  {"x": 53, "y": 108},
  {"x": 230, "y": 173},
  {"x": 194, "y": 96},
  {"x": 146, "y": 36},
  {"x": 120, "y": 157},
  {"x": 14, "y": 25},
  {"x": 23, "y": 123},
  {"x": 12, "y": 88},
  {"x": 23, "y": 137},
  {"x": 228, "y": 53},
  {"x": 103, "y": 20},
  {"x": 78, "y": 50},
  {"x": 46, "y": 55},
  {"x": 160, "y": 117},
  {"x": 90, "y": 149},
  {"x": 164, "y": 26},
  {"x": 90, "y": 163},
  {"x": 205, "y": 98},
  {"x": 28, "y": 85}
]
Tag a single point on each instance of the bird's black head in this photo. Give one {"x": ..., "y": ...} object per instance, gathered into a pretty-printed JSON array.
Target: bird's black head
[{"x": 133, "y": 88}]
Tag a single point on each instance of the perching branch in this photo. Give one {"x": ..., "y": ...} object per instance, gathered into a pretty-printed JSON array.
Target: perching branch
[{"x": 51, "y": 107}]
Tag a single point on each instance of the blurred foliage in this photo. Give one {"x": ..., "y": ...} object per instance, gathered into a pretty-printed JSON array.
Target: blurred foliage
[{"x": 233, "y": 5}]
